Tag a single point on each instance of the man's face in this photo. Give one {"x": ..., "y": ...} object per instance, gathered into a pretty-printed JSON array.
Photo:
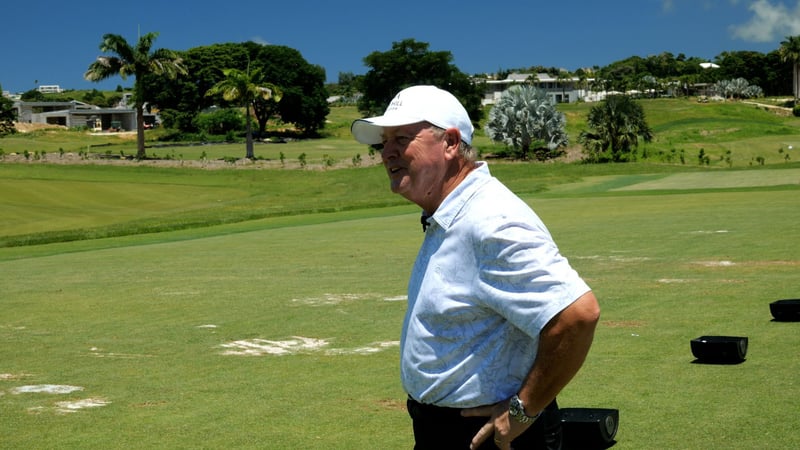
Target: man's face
[{"x": 416, "y": 161}]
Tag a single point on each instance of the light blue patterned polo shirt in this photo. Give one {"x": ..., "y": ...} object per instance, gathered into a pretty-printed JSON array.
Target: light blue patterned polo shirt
[{"x": 487, "y": 279}]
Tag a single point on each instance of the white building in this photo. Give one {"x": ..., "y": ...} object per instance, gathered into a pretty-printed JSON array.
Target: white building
[
  {"x": 50, "y": 89},
  {"x": 559, "y": 90}
]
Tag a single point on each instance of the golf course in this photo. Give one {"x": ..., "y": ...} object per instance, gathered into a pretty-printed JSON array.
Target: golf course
[{"x": 213, "y": 303}]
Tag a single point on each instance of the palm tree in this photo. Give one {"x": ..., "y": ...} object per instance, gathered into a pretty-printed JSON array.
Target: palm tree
[
  {"x": 138, "y": 61},
  {"x": 524, "y": 116},
  {"x": 617, "y": 123},
  {"x": 245, "y": 87},
  {"x": 790, "y": 51}
]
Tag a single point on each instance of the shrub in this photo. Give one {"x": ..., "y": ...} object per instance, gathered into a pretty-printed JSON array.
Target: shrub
[
  {"x": 178, "y": 120},
  {"x": 220, "y": 121}
]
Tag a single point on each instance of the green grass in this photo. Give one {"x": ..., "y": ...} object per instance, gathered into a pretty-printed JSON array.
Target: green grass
[
  {"x": 745, "y": 130},
  {"x": 51, "y": 203},
  {"x": 142, "y": 261}
]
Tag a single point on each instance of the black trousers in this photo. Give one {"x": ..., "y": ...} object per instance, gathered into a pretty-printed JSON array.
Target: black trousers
[{"x": 438, "y": 428}]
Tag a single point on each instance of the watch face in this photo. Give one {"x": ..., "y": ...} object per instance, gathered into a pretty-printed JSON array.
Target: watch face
[
  {"x": 517, "y": 410},
  {"x": 515, "y": 407}
]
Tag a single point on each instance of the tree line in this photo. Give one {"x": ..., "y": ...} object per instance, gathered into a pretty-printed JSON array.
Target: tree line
[{"x": 185, "y": 85}]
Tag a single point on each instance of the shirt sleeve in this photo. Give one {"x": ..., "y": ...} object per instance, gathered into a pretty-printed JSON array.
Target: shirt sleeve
[{"x": 521, "y": 273}]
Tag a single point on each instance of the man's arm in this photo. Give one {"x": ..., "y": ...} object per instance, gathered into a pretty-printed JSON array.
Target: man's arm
[{"x": 563, "y": 345}]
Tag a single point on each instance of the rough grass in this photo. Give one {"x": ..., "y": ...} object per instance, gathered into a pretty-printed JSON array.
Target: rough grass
[{"x": 140, "y": 322}]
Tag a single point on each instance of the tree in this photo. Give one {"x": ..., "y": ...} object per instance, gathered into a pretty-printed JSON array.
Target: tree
[
  {"x": 304, "y": 101},
  {"x": 8, "y": 114},
  {"x": 410, "y": 63},
  {"x": 524, "y": 115},
  {"x": 746, "y": 64},
  {"x": 736, "y": 88},
  {"x": 32, "y": 95},
  {"x": 302, "y": 84},
  {"x": 618, "y": 123},
  {"x": 649, "y": 85},
  {"x": 789, "y": 51},
  {"x": 244, "y": 88},
  {"x": 137, "y": 61},
  {"x": 564, "y": 79}
]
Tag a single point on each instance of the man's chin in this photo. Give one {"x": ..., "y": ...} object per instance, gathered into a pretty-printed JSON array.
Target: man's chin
[{"x": 397, "y": 185}]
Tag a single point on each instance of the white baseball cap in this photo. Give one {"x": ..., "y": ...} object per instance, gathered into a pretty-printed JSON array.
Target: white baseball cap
[{"x": 413, "y": 105}]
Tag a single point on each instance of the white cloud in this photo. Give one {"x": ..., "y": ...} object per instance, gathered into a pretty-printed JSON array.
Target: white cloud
[
  {"x": 260, "y": 40},
  {"x": 769, "y": 22}
]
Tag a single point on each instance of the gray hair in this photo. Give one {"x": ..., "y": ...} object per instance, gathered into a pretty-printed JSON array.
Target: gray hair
[{"x": 466, "y": 151}]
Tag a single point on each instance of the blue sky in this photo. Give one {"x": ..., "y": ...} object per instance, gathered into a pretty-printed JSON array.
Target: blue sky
[{"x": 53, "y": 42}]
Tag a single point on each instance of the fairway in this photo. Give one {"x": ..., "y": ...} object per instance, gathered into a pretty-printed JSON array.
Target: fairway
[
  {"x": 45, "y": 205},
  {"x": 281, "y": 332},
  {"x": 682, "y": 181},
  {"x": 720, "y": 180}
]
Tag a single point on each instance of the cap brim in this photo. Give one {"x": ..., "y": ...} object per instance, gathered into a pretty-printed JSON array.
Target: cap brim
[{"x": 370, "y": 130}]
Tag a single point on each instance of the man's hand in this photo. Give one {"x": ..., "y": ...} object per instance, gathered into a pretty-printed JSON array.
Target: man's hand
[{"x": 500, "y": 426}]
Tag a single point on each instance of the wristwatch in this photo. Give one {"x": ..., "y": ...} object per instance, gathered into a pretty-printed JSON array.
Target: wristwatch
[{"x": 516, "y": 409}]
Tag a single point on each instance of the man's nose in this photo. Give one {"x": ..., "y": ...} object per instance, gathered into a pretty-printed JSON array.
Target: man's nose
[{"x": 388, "y": 152}]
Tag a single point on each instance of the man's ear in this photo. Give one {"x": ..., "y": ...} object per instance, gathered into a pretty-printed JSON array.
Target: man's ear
[{"x": 453, "y": 139}]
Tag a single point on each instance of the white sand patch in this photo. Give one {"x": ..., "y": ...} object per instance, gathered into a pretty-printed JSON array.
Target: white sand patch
[
  {"x": 716, "y": 263},
  {"x": 12, "y": 376},
  {"x": 46, "y": 389},
  {"x": 68, "y": 407},
  {"x": 99, "y": 353},
  {"x": 673, "y": 280},
  {"x": 207, "y": 326},
  {"x": 397, "y": 298},
  {"x": 328, "y": 299},
  {"x": 259, "y": 347},
  {"x": 298, "y": 345},
  {"x": 375, "y": 347},
  {"x": 76, "y": 405},
  {"x": 709, "y": 232}
]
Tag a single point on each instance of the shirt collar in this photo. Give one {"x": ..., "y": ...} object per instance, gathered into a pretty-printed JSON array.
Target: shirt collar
[{"x": 447, "y": 212}]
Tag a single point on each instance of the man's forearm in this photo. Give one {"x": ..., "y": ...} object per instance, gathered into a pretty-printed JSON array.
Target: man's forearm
[{"x": 563, "y": 346}]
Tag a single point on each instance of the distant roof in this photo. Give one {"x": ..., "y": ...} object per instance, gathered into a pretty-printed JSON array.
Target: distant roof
[{"x": 518, "y": 76}]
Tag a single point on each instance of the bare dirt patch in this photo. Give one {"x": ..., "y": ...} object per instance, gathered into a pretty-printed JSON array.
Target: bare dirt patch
[
  {"x": 392, "y": 404},
  {"x": 70, "y": 158},
  {"x": 28, "y": 127}
]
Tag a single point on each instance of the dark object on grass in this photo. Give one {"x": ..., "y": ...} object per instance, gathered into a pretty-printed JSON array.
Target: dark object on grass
[
  {"x": 719, "y": 349},
  {"x": 589, "y": 428},
  {"x": 786, "y": 310}
]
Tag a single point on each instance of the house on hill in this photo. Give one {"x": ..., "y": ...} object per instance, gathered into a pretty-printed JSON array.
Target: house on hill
[
  {"x": 74, "y": 114},
  {"x": 50, "y": 89},
  {"x": 559, "y": 90}
]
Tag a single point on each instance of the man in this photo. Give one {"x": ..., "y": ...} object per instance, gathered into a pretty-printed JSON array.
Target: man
[{"x": 497, "y": 320}]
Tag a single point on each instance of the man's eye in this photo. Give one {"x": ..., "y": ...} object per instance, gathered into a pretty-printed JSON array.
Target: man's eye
[{"x": 402, "y": 140}]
